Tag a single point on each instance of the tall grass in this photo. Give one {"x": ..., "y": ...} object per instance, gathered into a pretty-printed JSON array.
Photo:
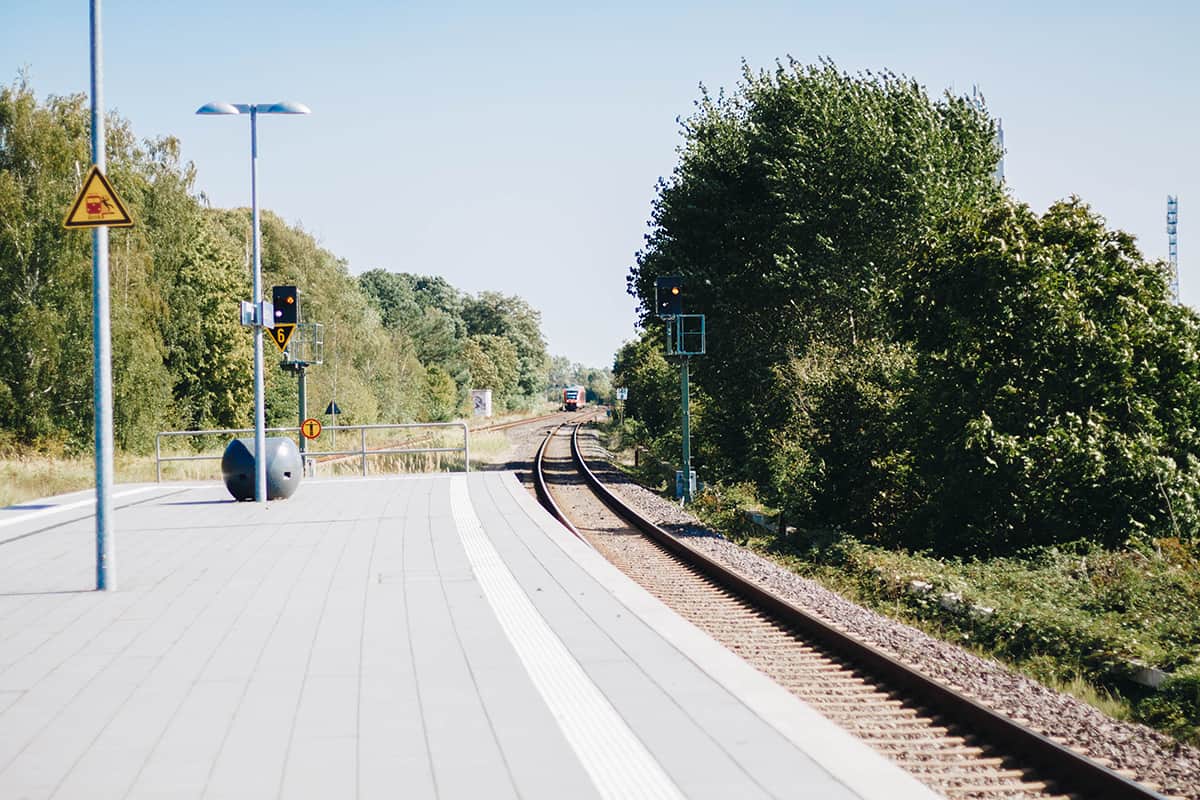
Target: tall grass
[{"x": 28, "y": 477}]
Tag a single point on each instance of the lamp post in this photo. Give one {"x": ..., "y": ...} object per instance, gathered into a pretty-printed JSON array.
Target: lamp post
[{"x": 254, "y": 109}]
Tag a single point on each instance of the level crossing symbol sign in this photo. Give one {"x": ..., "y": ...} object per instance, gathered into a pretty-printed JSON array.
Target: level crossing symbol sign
[
  {"x": 311, "y": 428},
  {"x": 97, "y": 204},
  {"x": 282, "y": 334}
]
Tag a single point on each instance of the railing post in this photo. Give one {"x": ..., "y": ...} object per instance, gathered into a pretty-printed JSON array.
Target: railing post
[
  {"x": 466, "y": 448},
  {"x": 158, "y": 457},
  {"x": 363, "y": 429}
]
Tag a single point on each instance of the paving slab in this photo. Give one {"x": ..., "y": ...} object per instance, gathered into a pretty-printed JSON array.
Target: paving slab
[{"x": 418, "y": 636}]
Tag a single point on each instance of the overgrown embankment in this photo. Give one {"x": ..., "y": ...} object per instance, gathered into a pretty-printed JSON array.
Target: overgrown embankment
[
  {"x": 1118, "y": 628},
  {"x": 995, "y": 412}
]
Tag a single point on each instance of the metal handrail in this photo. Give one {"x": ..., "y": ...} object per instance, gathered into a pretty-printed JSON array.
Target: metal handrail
[{"x": 311, "y": 456}]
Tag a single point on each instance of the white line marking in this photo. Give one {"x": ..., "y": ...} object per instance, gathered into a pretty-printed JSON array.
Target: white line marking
[
  {"x": 619, "y": 764},
  {"x": 45, "y": 512}
]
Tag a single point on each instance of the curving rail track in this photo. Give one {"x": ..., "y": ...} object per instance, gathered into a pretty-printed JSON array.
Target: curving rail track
[
  {"x": 955, "y": 745},
  {"x": 513, "y": 423}
]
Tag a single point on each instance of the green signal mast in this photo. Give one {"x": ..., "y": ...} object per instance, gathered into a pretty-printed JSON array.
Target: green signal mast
[{"x": 686, "y": 337}]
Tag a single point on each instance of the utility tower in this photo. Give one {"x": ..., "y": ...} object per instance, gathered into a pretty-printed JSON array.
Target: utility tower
[{"x": 1173, "y": 245}]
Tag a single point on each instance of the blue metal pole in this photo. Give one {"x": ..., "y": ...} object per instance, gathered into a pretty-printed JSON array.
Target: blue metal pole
[
  {"x": 260, "y": 443},
  {"x": 106, "y": 567}
]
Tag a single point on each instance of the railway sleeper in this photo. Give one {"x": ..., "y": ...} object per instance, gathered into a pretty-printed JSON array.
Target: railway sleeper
[
  {"x": 939, "y": 748},
  {"x": 863, "y": 694},
  {"x": 932, "y": 760},
  {"x": 986, "y": 776},
  {"x": 973, "y": 790},
  {"x": 874, "y": 729},
  {"x": 864, "y": 703},
  {"x": 808, "y": 671}
]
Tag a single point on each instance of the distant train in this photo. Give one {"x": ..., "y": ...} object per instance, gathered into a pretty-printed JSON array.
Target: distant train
[{"x": 574, "y": 398}]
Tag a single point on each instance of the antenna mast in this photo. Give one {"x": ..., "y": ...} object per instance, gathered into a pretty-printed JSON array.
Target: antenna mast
[{"x": 1173, "y": 245}]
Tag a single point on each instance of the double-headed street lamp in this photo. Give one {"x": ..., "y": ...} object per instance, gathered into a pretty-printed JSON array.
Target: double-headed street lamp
[{"x": 254, "y": 109}]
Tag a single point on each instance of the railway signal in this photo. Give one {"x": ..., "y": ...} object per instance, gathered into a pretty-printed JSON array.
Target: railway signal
[
  {"x": 686, "y": 337},
  {"x": 668, "y": 295},
  {"x": 286, "y": 300},
  {"x": 299, "y": 352}
]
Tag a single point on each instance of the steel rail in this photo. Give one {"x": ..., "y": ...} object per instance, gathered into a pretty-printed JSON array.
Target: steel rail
[
  {"x": 500, "y": 426},
  {"x": 543, "y": 491},
  {"x": 1075, "y": 772}
]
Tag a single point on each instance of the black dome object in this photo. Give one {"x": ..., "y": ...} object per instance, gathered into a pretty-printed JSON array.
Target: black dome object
[{"x": 284, "y": 468}]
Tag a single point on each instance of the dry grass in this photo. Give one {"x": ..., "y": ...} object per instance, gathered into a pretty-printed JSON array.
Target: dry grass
[
  {"x": 486, "y": 446},
  {"x": 29, "y": 477}
]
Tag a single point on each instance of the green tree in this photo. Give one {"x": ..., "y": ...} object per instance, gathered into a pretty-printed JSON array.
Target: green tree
[
  {"x": 373, "y": 370},
  {"x": 393, "y": 295},
  {"x": 208, "y": 351},
  {"x": 441, "y": 396},
  {"x": 426, "y": 309},
  {"x": 845, "y": 456},
  {"x": 494, "y": 365},
  {"x": 1060, "y": 386},
  {"x": 45, "y": 308},
  {"x": 495, "y": 314},
  {"x": 1043, "y": 388},
  {"x": 599, "y": 385},
  {"x": 653, "y": 384},
  {"x": 797, "y": 203},
  {"x": 393, "y": 342},
  {"x": 561, "y": 372}
]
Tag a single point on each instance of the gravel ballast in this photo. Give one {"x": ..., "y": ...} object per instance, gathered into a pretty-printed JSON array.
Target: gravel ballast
[{"x": 1135, "y": 750}]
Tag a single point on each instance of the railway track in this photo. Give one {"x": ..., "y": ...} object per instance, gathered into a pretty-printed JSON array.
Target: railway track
[
  {"x": 955, "y": 745},
  {"x": 500, "y": 426}
]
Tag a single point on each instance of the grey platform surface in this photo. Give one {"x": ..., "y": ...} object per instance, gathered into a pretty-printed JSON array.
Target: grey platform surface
[{"x": 409, "y": 637}]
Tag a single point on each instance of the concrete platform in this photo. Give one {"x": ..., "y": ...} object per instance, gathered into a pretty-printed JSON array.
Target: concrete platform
[{"x": 416, "y": 637}]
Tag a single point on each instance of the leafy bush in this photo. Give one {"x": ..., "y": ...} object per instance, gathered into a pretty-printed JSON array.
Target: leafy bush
[
  {"x": 797, "y": 202},
  {"x": 1059, "y": 393},
  {"x": 1018, "y": 412},
  {"x": 1175, "y": 708},
  {"x": 843, "y": 458},
  {"x": 724, "y": 507},
  {"x": 959, "y": 374}
]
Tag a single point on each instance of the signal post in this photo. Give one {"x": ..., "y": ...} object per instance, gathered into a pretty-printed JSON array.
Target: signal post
[
  {"x": 302, "y": 346},
  {"x": 686, "y": 337}
]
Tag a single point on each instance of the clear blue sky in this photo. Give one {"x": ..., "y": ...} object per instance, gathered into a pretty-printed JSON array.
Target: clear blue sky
[{"x": 516, "y": 146}]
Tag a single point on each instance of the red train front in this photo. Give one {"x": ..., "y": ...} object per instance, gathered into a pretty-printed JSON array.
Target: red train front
[{"x": 574, "y": 398}]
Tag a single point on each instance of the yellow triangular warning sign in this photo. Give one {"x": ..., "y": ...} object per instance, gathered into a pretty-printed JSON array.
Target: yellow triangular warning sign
[
  {"x": 281, "y": 335},
  {"x": 97, "y": 204}
]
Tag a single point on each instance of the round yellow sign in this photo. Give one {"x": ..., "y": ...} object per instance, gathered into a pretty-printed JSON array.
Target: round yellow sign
[{"x": 311, "y": 428}]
